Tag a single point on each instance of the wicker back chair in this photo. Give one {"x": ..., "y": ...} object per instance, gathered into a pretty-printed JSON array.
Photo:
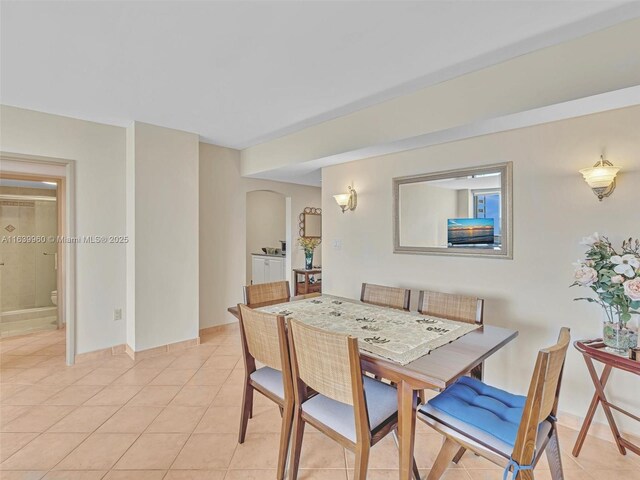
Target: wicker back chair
[
  {"x": 515, "y": 447},
  {"x": 267, "y": 292},
  {"x": 461, "y": 308},
  {"x": 264, "y": 339},
  {"x": 385, "y": 296},
  {"x": 353, "y": 410}
]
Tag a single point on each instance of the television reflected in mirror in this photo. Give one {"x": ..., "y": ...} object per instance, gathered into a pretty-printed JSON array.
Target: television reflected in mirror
[{"x": 457, "y": 212}]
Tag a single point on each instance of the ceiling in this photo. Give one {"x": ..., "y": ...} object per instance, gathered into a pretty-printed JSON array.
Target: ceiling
[{"x": 241, "y": 73}]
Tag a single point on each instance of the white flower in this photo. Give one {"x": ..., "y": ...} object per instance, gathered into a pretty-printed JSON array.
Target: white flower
[
  {"x": 590, "y": 240},
  {"x": 586, "y": 276},
  {"x": 632, "y": 289},
  {"x": 625, "y": 265},
  {"x": 617, "y": 279}
]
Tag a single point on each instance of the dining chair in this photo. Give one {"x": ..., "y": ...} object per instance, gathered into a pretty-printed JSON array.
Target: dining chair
[
  {"x": 266, "y": 292},
  {"x": 460, "y": 308},
  {"x": 509, "y": 430},
  {"x": 264, "y": 339},
  {"x": 354, "y": 410},
  {"x": 385, "y": 296}
]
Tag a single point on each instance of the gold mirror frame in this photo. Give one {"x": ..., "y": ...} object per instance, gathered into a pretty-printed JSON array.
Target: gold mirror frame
[
  {"x": 302, "y": 221},
  {"x": 506, "y": 184}
]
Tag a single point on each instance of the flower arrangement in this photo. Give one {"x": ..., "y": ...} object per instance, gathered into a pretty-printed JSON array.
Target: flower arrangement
[
  {"x": 615, "y": 278},
  {"x": 308, "y": 244}
]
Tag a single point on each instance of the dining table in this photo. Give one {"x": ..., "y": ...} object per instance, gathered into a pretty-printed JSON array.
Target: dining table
[{"x": 435, "y": 370}]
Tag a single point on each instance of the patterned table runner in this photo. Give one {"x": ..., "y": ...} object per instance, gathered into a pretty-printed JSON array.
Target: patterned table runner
[{"x": 394, "y": 334}]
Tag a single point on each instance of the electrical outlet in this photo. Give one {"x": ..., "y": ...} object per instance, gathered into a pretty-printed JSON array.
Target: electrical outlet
[
  {"x": 117, "y": 314},
  {"x": 337, "y": 244}
]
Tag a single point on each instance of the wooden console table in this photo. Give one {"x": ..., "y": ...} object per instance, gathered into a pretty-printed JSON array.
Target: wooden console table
[
  {"x": 594, "y": 350},
  {"x": 305, "y": 287}
]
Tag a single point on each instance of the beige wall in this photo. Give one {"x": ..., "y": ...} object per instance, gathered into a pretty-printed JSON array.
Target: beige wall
[
  {"x": 223, "y": 194},
  {"x": 165, "y": 169},
  {"x": 27, "y": 276},
  {"x": 426, "y": 209},
  {"x": 600, "y": 62},
  {"x": 553, "y": 210},
  {"x": 266, "y": 223},
  {"x": 99, "y": 153}
]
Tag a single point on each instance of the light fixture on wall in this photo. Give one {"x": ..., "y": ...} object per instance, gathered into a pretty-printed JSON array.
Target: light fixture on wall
[
  {"x": 347, "y": 201},
  {"x": 601, "y": 177}
]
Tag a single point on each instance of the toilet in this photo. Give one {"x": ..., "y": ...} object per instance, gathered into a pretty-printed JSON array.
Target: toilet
[{"x": 54, "y": 297}]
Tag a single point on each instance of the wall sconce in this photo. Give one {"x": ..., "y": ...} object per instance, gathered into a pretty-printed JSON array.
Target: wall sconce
[
  {"x": 601, "y": 177},
  {"x": 347, "y": 201}
]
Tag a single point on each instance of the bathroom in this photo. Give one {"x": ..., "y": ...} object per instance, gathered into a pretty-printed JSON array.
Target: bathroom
[{"x": 28, "y": 256}]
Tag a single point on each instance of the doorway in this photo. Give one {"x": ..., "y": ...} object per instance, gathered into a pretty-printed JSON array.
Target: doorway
[
  {"x": 59, "y": 262},
  {"x": 29, "y": 222},
  {"x": 267, "y": 246}
]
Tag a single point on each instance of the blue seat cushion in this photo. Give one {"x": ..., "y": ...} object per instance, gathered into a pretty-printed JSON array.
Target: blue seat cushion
[
  {"x": 484, "y": 407},
  {"x": 269, "y": 379},
  {"x": 382, "y": 403}
]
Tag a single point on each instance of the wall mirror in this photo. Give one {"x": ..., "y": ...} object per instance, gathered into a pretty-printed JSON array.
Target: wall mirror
[
  {"x": 311, "y": 222},
  {"x": 456, "y": 212}
]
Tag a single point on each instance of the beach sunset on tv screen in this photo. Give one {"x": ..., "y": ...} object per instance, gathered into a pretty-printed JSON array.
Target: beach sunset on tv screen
[{"x": 470, "y": 231}]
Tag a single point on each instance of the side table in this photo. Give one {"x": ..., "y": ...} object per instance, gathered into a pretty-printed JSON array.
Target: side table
[{"x": 594, "y": 350}]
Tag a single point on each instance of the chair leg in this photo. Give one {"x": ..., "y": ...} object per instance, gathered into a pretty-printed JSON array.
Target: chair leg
[
  {"x": 554, "y": 457},
  {"x": 477, "y": 372},
  {"x": 446, "y": 454},
  {"x": 416, "y": 471},
  {"x": 362, "y": 461},
  {"x": 525, "y": 475},
  {"x": 247, "y": 408},
  {"x": 459, "y": 455},
  {"x": 296, "y": 445},
  {"x": 285, "y": 436}
]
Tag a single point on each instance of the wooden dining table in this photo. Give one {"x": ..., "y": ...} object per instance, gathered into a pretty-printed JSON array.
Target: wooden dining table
[{"x": 436, "y": 370}]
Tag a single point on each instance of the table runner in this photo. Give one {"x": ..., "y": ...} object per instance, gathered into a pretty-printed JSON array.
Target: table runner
[{"x": 394, "y": 334}]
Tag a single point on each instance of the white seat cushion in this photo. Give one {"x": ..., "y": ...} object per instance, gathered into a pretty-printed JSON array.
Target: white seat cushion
[
  {"x": 269, "y": 379},
  {"x": 382, "y": 403}
]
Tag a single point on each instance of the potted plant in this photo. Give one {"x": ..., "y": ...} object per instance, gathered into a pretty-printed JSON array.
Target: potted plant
[
  {"x": 308, "y": 244},
  {"x": 615, "y": 279}
]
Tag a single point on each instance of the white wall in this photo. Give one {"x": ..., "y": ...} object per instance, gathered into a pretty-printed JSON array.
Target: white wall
[
  {"x": 223, "y": 229},
  {"x": 553, "y": 210},
  {"x": 266, "y": 223},
  {"x": 166, "y": 235},
  {"x": 99, "y": 152}
]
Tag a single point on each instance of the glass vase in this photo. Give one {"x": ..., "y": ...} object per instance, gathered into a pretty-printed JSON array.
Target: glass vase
[
  {"x": 617, "y": 335},
  {"x": 308, "y": 259}
]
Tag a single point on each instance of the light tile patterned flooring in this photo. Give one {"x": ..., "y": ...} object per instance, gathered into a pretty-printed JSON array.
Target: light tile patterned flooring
[{"x": 175, "y": 417}]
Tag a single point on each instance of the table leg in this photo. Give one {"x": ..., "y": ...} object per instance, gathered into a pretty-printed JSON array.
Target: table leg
[
  {"x": 599, "y": 398},
  {"x": 406, "y": 427},
  {"x": 605, "y": 405},
  {"x": 591, "y": 411}
]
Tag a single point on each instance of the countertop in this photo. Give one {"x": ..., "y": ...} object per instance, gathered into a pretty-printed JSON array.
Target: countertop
[{"x": 267, "y": 255}]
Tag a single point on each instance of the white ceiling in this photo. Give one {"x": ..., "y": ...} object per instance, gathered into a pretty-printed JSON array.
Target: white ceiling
[{"x": 239, "y": 73}]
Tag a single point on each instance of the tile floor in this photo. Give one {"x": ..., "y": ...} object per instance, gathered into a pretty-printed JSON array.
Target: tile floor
[{"x": 175, "y": 417}]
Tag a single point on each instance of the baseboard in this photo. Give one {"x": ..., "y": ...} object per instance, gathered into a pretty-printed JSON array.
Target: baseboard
[
  {"x": 224, "y": 328},
  {"x": 126, "y": 349},
  {"x": 101, "y": 354},
  {"x": 170, "y": 347},
  {"x": 597, "y": 429}
]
